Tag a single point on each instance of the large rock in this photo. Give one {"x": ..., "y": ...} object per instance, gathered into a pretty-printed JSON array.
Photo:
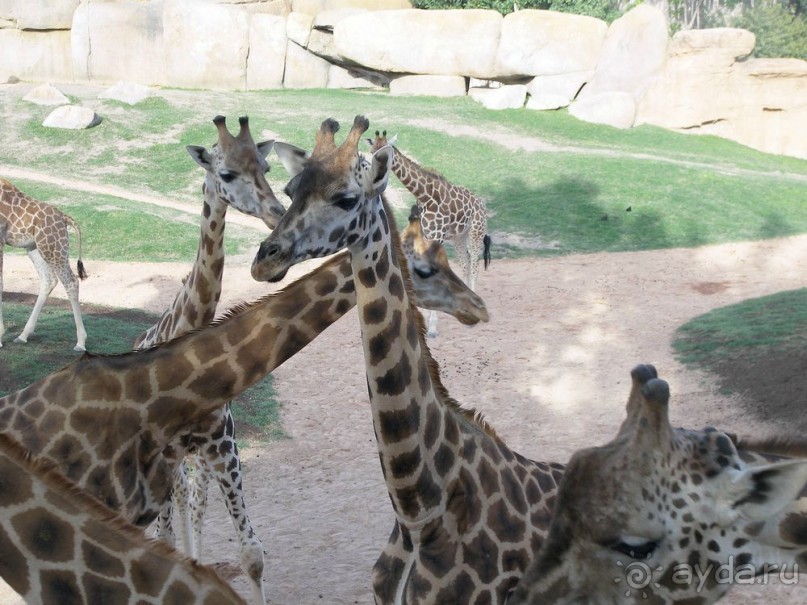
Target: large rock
[
  {"x": 267, "y": 52},
  {"x": 719, "y": 46},
  {"x": 429, "y": 42},
  {"x": 617, "y": 109},
  {"x": 538, "y": 42},
  {"x": 314, "y": 7},
  {"x": 119, "y": 41},
  {"x": 39, "y": 14},
  {"x": 553, "y": 92},
  {"x": 206, "y": 44},
  {"x": 36, "y": 56},
  {"x": 46, "y": 94},
  {"x": 298, "y": 28},
  {"x": 72, "y": 117},
  {"x": 634, "y": 51},
  {"x": 339, "y": 77},
  {"x": 432, "y": 86},
  {"x": 504, "y": 97},
  {"x": 304, "y": 70}
]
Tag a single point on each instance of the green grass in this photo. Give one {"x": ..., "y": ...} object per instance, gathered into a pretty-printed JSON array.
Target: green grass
[{"x": 751, "y": 328}]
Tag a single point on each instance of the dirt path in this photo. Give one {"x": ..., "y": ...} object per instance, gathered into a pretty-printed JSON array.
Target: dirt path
[{"x": 550, "y": 371}]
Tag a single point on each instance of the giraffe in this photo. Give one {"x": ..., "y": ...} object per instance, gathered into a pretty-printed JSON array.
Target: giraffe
[
  {"x": 105, "y": 421},
  {"x": 58, "y": 544},
  {"x": 657, "y": 513},
  {"x": 40, "y": 229},
  {"x": 449, "y": 213},
  {"x": 469, "y": 511},
  {"x": 234, "y": 176}
]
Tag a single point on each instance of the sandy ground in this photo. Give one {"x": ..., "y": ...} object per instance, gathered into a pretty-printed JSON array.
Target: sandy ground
[{"x": 550, "y": 371}]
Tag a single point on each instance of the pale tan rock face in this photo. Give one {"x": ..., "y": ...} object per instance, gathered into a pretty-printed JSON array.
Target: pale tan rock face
[
  {"x": 33, "y": 55},
  {"x": 433, "y": 86},
  {"x": 613, "y": 108},
  {"x": 267, "y": 52},
  {"x": 505, "y": 97},
  {"x": 538, "y": 42},
  {"x": 304, "y": 70},
  {"x": 439, "y": 42},
  {"x": 39, "y": 14}
]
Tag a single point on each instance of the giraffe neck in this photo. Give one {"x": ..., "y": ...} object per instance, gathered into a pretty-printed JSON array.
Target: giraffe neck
[
  {"x": 195, "y": 304},
  {"x": 405, "y": 400},
  {"x": 115, "y": 414},
  {"x": 418, "y": 181}
]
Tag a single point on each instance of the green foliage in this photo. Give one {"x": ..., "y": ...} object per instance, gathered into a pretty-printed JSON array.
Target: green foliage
[
  {"x": 779, "y": 32},
  {"x": 602, "y": 9}
]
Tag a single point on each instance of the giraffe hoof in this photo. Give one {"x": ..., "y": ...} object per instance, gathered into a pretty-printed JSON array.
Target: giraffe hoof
[
  {"x": 80, "y": 349},
  {"x": 21, "y": 339}
]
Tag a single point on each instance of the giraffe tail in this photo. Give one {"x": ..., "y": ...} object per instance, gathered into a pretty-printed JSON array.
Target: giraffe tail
[
  {"x": 82, "y": 272},
  {"x": 486, "y": 250}
]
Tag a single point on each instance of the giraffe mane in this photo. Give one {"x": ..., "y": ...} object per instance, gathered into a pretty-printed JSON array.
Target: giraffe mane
[
  {"x": 56, "y": 481},
  {"x": 469, "y": 414}
]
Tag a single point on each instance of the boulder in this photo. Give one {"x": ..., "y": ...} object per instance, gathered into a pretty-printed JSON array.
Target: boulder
[
  {"x": 616, "y": 109},
  {"x": 539, "y": 42},
  {"x": 552, "y": 92},
  {"x": 46, "y": 94},
  {"x": 432, "y": 86},
  {"x": 719, "y": 46},
  {"x": 304, "y": 70},
  {"x": 73, "y": 117},
  {"x": 428, "y": 42},
  {"x": 504, "y": 97},
  {"x": 267, "y": 52},
  {"x": 206, "y": 44},
  {"x": 314, "y": 7},
  {"x": 634, "y": 51},
  {"x": 119, "y": 41},
  {"x": 298, "y": 28},
  {"x": 127, "y": 92},
  {"x": 36, "y": 56},
  {"x": 39, "y": 14},
  {"x": 327, "y": 20}
]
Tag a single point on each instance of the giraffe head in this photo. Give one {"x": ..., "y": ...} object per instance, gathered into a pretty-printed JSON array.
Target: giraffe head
[
  {"x": 236, "y": 169},
  {"x": 661, "y": 515},
  {"x": 332, "y": 191},
  {"x": 381, "y": 140},
  {"x": 435, "y": 285}
]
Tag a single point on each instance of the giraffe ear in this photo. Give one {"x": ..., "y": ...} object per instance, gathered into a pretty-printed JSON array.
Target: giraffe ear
[
  {"x": 293, "y": 158},
  {"x": 265, "y": 147},
  {"x": 200, "y": 156},
  {"x": 758, "y": 493},
  {"x": 381, "y": 166}
]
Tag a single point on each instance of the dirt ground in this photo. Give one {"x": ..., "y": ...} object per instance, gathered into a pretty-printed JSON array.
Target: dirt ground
[{"x": 550, "y": 372}]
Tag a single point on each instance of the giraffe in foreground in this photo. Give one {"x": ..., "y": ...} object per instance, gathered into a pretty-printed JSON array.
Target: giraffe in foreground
[
  {"x": 680, "y": 508},
  {"x": 234, "y": 176},
  {"x": 469, "y": 511},
  {"x": 448, "y": 213},
  {"x": 105, "y": 421},
  {"x": 60, "y": 545},
  {"x": 41, "y": 229}
]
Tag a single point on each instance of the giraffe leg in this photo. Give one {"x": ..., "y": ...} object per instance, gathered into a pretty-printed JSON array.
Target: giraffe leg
[
  {"x": 431, "y": 325},
  {"x": 198, "y": 501},
  {"x": 70, "y": 284},
  {"x": 225, "y": 464},
  {"x": 181, "y": 500},
  {"x": 165, "y": 527},
  {"x": 464, "y": 259},
  {"x": 47, "y": 281}
]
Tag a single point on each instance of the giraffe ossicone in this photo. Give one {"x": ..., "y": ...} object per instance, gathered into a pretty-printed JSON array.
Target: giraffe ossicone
[
  {"x": 667, "y": 516},
  {"x": 42, "y": 230}
]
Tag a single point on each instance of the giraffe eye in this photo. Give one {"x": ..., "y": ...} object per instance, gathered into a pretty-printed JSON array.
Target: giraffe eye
[
  {"x": 427, "y": 272},
  {"x": 227, "y": 176},
  {"x": 346, "y": 201},
  {"x": 635, "y": 549}
]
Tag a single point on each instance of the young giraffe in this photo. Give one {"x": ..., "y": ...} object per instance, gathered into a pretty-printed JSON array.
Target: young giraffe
[
  {"x": 105, "y": 421},
  {"x": 469, "y": 511},
  {"x": 235, "y": 169},
  {"x": 41, "y": 229},
  {"x": 449, "y": 213},
  {"x": 58, "y": 544},
  {"x": 657, "y": 513}
]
